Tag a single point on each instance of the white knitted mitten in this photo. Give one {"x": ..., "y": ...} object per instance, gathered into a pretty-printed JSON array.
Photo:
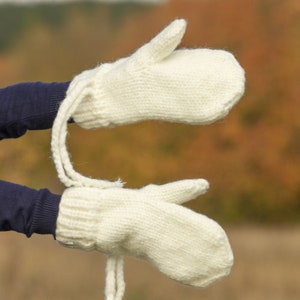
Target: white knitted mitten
[
  {"x": 149, "y": 224},
  {"x": 157, "y": 82}
]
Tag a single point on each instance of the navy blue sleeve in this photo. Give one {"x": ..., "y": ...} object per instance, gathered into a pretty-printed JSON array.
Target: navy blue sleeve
[
  {"x": 26, "y": 210},
  {"x": 29, "y": 106}
]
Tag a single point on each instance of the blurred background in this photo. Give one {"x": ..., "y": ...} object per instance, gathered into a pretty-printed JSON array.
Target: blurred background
[{"x": 251, "y": 158}]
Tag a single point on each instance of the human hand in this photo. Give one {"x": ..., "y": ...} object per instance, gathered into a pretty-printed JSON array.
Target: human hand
[
  {"x": 157, "y": 82},
  {"x": 150, "y": 224}
]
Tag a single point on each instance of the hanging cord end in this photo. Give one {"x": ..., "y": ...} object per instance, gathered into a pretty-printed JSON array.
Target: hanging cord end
[{"x": 115, "y": 284}]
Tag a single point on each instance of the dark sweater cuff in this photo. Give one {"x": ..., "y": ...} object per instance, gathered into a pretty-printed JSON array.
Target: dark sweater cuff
[
  {"x": 53, "y": 94},
  {"x": 45, "y": 213}
]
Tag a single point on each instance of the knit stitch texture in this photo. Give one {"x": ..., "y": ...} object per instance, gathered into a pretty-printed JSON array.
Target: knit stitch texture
[
  {"x": 197, "y": 86},
  {"x": 157, "y": 82}
]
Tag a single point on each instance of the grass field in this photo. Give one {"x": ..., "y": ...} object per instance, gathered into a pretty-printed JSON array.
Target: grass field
[{"x": 267, "y": 266}]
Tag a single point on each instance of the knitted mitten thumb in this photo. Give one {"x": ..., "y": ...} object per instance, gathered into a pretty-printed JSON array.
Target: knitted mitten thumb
[
  {"x": 157, "y": 82},
  {"x": 149, "y": 224}
]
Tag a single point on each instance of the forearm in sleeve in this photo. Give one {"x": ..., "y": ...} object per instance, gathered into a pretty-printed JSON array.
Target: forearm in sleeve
[
  {"x": 29, "y": 106},
  {"x": 27, "y": 210}
]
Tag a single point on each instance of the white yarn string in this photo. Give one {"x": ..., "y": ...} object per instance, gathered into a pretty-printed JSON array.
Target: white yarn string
[
  {"x": 115, "y": 285},
  {"x": 66, "y": 173}
]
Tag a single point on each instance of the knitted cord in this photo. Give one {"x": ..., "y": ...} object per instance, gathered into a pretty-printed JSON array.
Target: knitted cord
[
  {"x": 115, "y": 285},
  {"x": 66, "y": 173}
]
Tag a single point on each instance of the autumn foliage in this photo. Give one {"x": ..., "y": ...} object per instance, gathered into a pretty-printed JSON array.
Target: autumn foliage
[{"x": 252, "y": 158}]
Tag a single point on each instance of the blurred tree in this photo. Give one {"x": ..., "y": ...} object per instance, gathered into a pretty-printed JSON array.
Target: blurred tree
[{"x": 251, "y": 158}]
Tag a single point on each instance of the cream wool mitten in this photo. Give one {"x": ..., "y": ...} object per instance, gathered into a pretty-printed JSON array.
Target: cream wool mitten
[
  {"x": 150, "y": 224},
  {"x": 195, "y": 86},
  {"x": 157, "y": 82}
]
